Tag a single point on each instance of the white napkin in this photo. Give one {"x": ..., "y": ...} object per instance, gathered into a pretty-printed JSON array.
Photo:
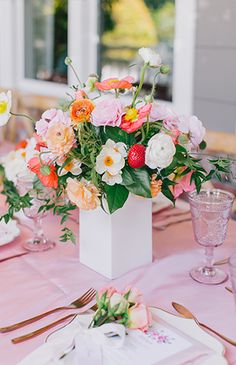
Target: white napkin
[
  {"x": 88, "y": 346},
  {"x": 89, "y": 343}
]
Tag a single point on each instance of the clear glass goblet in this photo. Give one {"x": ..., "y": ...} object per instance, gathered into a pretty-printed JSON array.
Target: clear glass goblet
[
  {"x": 39, "y": 242},
  {"x": 210, "y": 210}
]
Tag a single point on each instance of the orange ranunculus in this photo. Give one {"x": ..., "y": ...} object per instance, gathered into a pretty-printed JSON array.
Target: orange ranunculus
[
  {"x": 84, "y": 194},
  {"x": 46, "y": 173},
  {"x": 155, "y": 186},
  {"x": 21, "y": 144},
  {"x": 80, "y": 111},
  {"x": 114, "y": 83},
  {"x": 60, "y": 139}
]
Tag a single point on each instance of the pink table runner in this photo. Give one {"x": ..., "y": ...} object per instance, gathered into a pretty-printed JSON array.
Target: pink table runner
[{"x": 40, "y": 281}]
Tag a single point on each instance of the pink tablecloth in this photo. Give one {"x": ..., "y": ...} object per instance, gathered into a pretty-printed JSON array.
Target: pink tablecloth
[{"x": 40, "y": 281}]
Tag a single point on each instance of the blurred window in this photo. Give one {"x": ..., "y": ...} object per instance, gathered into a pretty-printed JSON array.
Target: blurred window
[
  {"x": 127, "y": 25},
  {"x": 45, "y": 33}
]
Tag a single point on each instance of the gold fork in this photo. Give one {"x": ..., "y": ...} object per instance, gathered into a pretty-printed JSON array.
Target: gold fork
[
  {"x": 78, "y": 303},
  {"x": 38, "y": 332}
]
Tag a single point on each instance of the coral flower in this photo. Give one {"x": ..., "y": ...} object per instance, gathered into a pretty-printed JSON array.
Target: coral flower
[
  {"x": 134, "y": 118},
  {"x": 21, "y": 144},
  {"x": 114, "y": 83},
  {"x": 60, "y": 139},
  {"x": 80, "y": 111},
  {"x": 84, "y": 194},
  {"x": 46, "y": 173}
]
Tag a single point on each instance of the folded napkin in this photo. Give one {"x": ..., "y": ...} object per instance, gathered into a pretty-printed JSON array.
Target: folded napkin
[
  {"x": 109, "y": 345},
  {"x": 84, "y": 346}
]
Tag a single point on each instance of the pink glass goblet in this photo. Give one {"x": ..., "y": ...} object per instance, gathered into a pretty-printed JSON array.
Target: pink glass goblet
[
  {"x": 39, "y": 242},
  {"x": 210, "y": 210}
]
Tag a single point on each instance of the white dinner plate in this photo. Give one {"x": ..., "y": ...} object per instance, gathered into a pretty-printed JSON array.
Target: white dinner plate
[
  {"x": 62, "y": 338},
  {"x": 190, "y": 328},
  {"x": 8, "y": 232}
]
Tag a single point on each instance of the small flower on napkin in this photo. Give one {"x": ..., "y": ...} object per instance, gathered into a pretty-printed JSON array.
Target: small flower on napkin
[{"x": 126, "y": 308}]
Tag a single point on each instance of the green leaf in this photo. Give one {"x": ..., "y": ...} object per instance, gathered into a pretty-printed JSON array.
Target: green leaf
[
  {"x": 118, "y": 135},
  {"x": 116, "y": 196},
  {"x": 166, "y": 190},
  {"x": 137, "y": 181}
]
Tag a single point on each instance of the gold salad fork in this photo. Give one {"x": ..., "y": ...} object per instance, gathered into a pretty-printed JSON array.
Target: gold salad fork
[{"x": 87, "y": 297}]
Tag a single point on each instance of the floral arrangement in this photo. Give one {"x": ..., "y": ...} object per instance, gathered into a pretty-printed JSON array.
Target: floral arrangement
[
  {"x": 110, "y": 140},
  {"x": 125, "y": 308}
]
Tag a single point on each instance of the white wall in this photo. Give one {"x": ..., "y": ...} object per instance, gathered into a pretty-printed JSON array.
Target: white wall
[{"x": 215, "y": 64}]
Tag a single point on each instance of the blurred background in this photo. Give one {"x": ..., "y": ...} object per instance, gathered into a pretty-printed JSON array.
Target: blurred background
[{"x": 197, "y": 38}]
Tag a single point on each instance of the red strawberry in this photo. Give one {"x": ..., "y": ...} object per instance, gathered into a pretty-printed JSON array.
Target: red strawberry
[{"x": 136, "y": 156}]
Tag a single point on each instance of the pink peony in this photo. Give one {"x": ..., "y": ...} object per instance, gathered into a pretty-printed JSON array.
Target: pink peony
[
  {"x": 139, "y": 317},
  {"x": 107, "y": 112},
  {"x": 193, "y": 127},
  {"x": 49, "y": 118},
  {"x": 60, "y": 139},
  {"x": 183, "y": 184},
  {"x": 161, "y": 112}
]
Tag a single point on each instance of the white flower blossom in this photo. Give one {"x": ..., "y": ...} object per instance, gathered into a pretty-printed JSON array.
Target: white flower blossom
[
  {"x": 5, "y": 107},
  {"x": 160, "y": 151},
  {"x": 111, "y": 159},
  {"x": 149, "y": 56}
]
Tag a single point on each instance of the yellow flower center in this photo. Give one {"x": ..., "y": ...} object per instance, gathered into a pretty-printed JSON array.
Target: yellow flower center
[
  {"x": 3, "y": 107},
  {"x": 110, "y": 82},
  {"x": 69, "y": 166},
  {"x": 108, "y": 161},
  {"x": 23, "y": 154},
  {"x": 131, "y": 115}
]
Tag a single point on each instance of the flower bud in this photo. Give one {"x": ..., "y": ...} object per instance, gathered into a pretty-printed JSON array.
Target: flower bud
[
  {"x": 68, "y": 61},
  {"x": 148, "y": 98},
  {"x": 45, "y": 170},
  {"x": 165, "y": 69}
]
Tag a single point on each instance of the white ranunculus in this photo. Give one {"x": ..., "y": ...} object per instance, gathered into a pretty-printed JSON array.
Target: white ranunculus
[
  {"x": 149, "y": 56},
  {"x": 111, "y": 158},
  {"x": 5, "y": 107},
  {"x": 160, "y": 151},
  {"x": 30, "y": 150},
  {"x": 112, "y": 179}
]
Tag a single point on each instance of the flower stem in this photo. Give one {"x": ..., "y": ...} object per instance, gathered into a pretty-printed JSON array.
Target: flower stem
[
  {"x": 143, "y": 70},
  {"x": 76, "y": 75},
  {"x": 154, "y": 85},
  {"x": 22, "y": 115},
  {"x": 143, "y": 134}
]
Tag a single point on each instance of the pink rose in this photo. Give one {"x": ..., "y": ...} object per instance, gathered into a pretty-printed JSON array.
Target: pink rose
[
  {"x": 193, "y": 127},
  {"x": 110, "y": 290},
  {"x": 183, "y": 185},
  {"x": 107, "y": 112},
  {"x": 135, "y": 295},
  {"x": 139, "y": 317}
]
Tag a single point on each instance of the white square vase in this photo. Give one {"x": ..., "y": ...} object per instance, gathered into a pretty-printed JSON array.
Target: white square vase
[{"x": 113, "y": 244}]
